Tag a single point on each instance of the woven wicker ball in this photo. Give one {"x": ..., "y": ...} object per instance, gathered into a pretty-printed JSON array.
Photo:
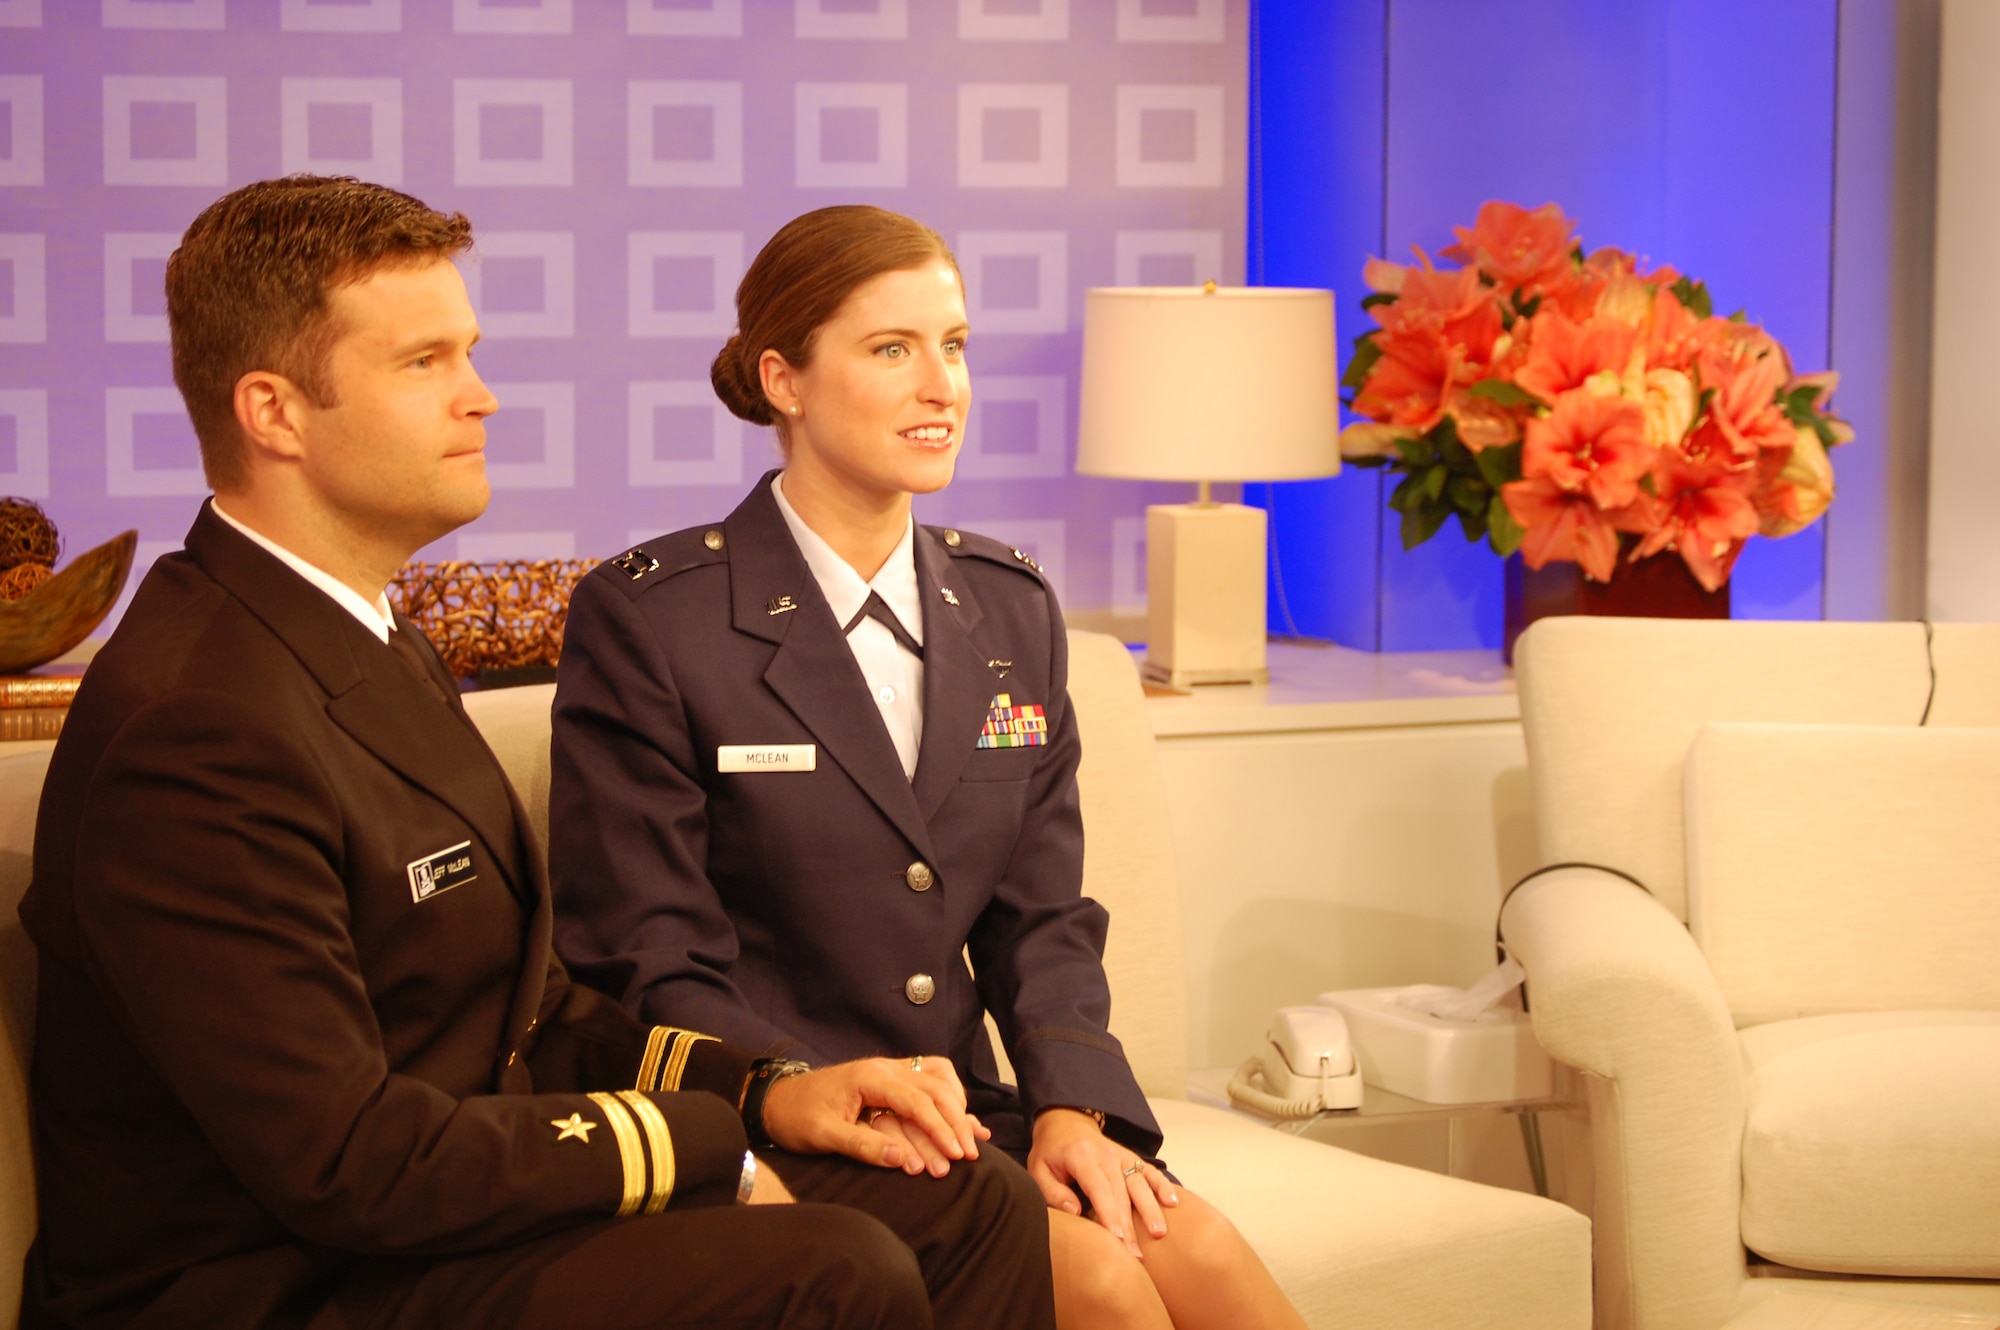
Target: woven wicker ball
[
  {"x": 490, "y": 616},
  {"x": 22, "y": 578},
  {"x": 27, "y": 536}
]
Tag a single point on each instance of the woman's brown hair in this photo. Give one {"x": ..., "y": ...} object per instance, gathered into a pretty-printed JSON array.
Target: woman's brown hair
[
  {"x": 247, "y": 290},
  {"x": 799, "y": 280}
]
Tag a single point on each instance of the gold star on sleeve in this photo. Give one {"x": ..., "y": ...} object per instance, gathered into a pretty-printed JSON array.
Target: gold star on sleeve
[{"x": 572, "y": 1126}]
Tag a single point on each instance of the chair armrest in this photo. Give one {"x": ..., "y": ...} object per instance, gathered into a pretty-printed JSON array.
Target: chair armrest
[{"x": 1618, "y": 989}]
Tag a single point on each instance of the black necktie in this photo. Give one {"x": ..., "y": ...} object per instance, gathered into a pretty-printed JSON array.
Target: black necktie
[
  {"x": 878, "y": 609},
  {"x": 411, "y": 655}
]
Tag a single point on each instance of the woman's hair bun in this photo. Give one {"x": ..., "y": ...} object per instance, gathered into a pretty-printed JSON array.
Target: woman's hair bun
[{"x": 740, "y": 390}]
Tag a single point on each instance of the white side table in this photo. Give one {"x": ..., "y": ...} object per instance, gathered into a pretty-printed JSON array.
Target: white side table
[{"x": 1381, "y": 1107}]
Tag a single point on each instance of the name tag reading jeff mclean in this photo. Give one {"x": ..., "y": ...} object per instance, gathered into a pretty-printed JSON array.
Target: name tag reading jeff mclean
[
  {"x": 766, "y": 757},
  {"x": 441, "y": 872}
]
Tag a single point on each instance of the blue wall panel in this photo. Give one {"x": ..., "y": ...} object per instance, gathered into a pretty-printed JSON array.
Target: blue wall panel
[
  {"x": 1696, "y": 132},
  {"x": 1749, "y": 208},
  {"x": 1316, "y": 131}
]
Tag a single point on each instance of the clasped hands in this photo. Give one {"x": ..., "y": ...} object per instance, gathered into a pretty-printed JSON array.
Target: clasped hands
[
  {"x": 906, "y": 1113},
  {"x": 910, "y": 1113}
]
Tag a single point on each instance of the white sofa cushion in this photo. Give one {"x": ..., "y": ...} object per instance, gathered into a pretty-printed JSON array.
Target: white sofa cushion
[
  {"x": 1128, "y": 862},
  {"x": 1872, "y": 1143},
  {"x": 1355, "y": 1241},
  {"x": 1609, "y": 707},
  {"x": 1967, "y": 656},
  {"x": 1845, "y": 868}
]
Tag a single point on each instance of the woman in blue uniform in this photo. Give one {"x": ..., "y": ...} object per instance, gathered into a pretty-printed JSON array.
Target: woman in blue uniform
[{"x": 811, "y": 757}]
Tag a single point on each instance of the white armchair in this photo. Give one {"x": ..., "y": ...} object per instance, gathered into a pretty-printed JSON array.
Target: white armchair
[{"x": 1771, "y": 953}]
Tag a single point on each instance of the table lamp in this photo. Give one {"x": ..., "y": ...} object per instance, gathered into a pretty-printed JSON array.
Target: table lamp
[{"x": 1206, "y": 383}]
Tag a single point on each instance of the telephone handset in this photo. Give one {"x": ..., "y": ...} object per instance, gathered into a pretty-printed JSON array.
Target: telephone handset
[{"x": 1307, "y": 1066}]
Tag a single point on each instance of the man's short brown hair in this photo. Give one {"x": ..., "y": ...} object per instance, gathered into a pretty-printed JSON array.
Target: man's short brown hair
[{"x": 248, "y": 290}]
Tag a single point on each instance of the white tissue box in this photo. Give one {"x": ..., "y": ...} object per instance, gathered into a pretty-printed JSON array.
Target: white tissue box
[{"x": 1440, "y": 1061}]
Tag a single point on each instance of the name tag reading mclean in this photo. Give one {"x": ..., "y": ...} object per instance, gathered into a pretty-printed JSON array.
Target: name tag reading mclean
[
  {"x": 766, "y": 757},
  {"x": 441, "y": 872}
]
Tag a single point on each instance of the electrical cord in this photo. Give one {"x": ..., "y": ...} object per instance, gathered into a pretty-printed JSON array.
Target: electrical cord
[
  {"x": 1930, "y": 659},
  {"x": 1246, "y": 1088}
]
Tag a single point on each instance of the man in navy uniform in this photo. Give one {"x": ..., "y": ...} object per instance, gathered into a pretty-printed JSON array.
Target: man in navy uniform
[{"x": 304, "y": 1056}]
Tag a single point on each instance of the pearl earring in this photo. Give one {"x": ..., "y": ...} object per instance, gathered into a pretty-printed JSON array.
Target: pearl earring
[{"x": 795, "y": 410}]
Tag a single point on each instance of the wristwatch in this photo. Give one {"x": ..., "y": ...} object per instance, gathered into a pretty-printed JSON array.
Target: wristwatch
[
  {"x": 764, "y": 1073},
  {"x": 1095, "y": 1115},
  {"x": 748, "y": 1182}
]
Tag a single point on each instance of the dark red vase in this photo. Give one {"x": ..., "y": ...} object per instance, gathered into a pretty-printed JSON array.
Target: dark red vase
[{"x": 1658, "y": 587}]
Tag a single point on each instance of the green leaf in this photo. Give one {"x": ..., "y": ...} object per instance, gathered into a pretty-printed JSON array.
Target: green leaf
[
  {"x": 1526, "y": 308},
  {"x": 1797, "y": 404},
  {"x": 1506, "y": 394},
  {"x": 1473, "y": 524},
  {"x": 1648, "y": 484},
  {"x": 1694, "y": 295},
  {"x": 1455, "y": 454},
  {"x": 1827, "y": 438},
  {"x": 1434, "y": 482},
  {"x": 1502, "y": 529},
  {"x": 1401, "y": 495},
  {"x": 1379, "y": 298},
  {"x": 1500, "y": 464},
  {"x": 1740, "y": 316},
  {"x": 1469, "y": 496},
  {"x": 1417, "y": 453},
  {"x": 1366, "y": 353},
  {"x": 1420, "y": 525}
]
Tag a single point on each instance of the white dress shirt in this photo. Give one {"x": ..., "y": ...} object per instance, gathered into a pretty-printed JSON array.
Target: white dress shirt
[
  {"x": 895, "y": 677},
  {"x": 375, "y": 618}
]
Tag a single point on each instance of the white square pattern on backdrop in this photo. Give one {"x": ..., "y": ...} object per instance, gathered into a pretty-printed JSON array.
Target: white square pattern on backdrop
[{"x": 621, "y": 164}]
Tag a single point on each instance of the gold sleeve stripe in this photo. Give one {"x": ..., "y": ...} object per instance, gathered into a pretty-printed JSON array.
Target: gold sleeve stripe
[
  {"x": 661, "y": 1143},
  {"x": 677, "y": 1061},
  {"x": 630, "y": 1153},
  {"x": 649, "y": 1066}
]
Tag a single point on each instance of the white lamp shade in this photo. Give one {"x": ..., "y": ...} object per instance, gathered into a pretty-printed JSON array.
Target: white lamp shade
[{"x": 1187, "y": 383}]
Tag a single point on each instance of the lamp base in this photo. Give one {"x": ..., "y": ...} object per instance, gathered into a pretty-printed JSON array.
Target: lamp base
[{"x": 1205, "y": 594}]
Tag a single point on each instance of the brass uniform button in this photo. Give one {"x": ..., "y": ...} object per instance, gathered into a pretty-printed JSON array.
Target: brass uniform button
[
  {"x": 919, "y": 989},
  {"x": 953, "y": 539},
  {"x": 712, "y": 539},
  {"x": 919, "y": 876}
]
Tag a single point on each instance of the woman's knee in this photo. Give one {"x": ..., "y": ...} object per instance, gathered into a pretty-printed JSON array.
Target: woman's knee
[
  {"x": 1097, "y": 1280},
  {"x": 1199, "y": 1238}
]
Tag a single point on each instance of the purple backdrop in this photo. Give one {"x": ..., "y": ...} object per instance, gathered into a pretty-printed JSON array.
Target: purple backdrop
[{"x": 621, "y": 160}]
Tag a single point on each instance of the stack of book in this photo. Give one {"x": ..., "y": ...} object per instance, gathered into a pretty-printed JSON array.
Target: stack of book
[{"x": 33, "y": 706}]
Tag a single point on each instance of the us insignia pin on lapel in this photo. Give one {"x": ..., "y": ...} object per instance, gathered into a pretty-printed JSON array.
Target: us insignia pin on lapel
[
  {"x": 1009, "y": 726},
  {"x": 635, "y": 563},
  {"x": 950, "y": 596},
  {"x": 1000, "y": 667}
]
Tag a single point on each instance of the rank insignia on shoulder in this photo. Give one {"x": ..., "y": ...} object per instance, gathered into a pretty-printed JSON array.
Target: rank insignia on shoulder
[
  {"x": 781, "y": 605},
  {"x": 950, "y": 596},
  {"x": 635, "y": 563},
  {"x": 572, "y": 1128},
  {"x": 1009, "y": 726},
  {"x": 435, "y": 874},
  {"x": 1022, "y": 555}
]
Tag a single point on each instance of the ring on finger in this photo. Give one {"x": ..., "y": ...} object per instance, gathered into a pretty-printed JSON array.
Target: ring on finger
[
  {"x": 917, "y": 1063},
  {"x": 875, "y": 1113},
  {"x": 1137, "y": 1164}
]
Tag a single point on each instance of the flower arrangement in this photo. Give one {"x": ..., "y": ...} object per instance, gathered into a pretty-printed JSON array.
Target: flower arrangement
[{"x": 1575, "y": 407}]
